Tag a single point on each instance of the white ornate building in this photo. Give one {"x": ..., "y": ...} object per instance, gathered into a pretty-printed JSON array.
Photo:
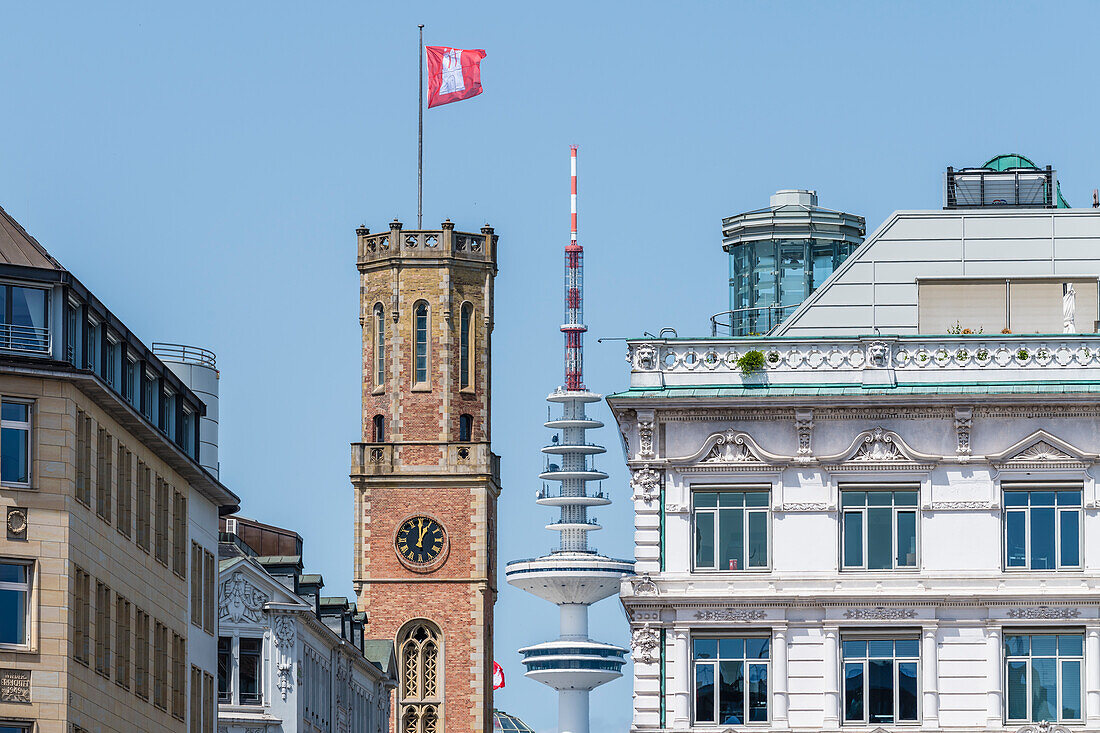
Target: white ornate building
[
  {"x": 289, "y": 660},
  {"x": 849, "y": 532}
]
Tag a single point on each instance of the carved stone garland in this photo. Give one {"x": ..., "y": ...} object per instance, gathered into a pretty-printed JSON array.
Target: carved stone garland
[
  {"x": 646, "y": 484},
  {"x": 804, "y": 425},
  {"x": 963, "y": 420},
  {"x": 644, "y": 642},
  {"x": 283, "y": 634}
]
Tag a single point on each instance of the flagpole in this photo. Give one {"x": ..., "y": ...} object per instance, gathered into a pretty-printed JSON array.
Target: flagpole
[{"x": 420, "y": 141}]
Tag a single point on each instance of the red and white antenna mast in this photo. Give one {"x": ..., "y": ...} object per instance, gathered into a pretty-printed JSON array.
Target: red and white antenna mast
[{"x": 574, "y": 327}]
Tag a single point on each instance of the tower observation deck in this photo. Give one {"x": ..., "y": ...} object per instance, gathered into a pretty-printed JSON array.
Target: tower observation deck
[{"x": 573, "y": 576}]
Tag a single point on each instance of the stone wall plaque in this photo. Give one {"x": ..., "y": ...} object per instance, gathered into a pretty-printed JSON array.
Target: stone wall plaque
[{"x": 15, "y": 685}]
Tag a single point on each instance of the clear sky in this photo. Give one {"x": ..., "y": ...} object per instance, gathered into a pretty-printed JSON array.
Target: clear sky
[{"x": 202, "y": 168}]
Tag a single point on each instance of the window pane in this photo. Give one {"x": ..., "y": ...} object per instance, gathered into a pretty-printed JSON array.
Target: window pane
[
  {"x": 1069, "y": 645},
  {"x": 853, "y": 498},
  {"x": 224, "y": 670},
  {"x": 1041, "y": 498},
  {"x": 13, "y": 617},
  {"x": 855, "y": 649},
  {"x": 1044, "y": 646},
  {"x": 703, "y": 500},
  {"x": 731, "y": 539},
  {"x": 758, "y": 693},
  {"x": 1016, "y": 685},
  {"x": 704, "y": 540},
  {"x": 1016, "y": 646},
  {"x": 731, "y": 694},
  {"x": 907, "y": 690},
  {"x": 28, "y": 309},
  {"x": 1069, "y": 498},
  {"x": 757, "y": 648},
  {"x": 907, "y": 539},
  {"x": 1070, "y": 540},
  {"x": 1042, "y": 539},
  {"x": 1044, "y": 690},
  {"x": 1015, "y": 555},
  {"x": 853, "y": 691},
  {"x": 758, "y": 539},
  {"x": 704, "y": 693},
  {"x": 880, "y": 498},
  {"x": 880, "y": 691},
  {"x": 1015, "y": 498},
  {"x": 13, "y": 455},
  {"x": 880, "y": 538},
  {"x": 249, "y": 673},
  {"x": 756, "y": 498},
  {"x": 905, "y": 498},
  {"x": 705, "y": 648},
  {"x": 880, "y": 648},
  {"x": 13, "y": 573},
  {"x": 15, "y": 411},
  {"x": 731, "y": 648},
  {"x": 731, "y": 499},
  {"x": 853, "y": 539},
  {"x": 906, "y": 647},
  {"x": 1071, "y": 690}
]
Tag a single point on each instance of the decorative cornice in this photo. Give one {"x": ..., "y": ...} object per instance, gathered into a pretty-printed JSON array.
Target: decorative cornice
[
  {"x": 807, "y": 506},
  {"x": 879, "y": 613},
  {"x": 949, "y": 506},
  {"x": 1044, "y": 612},
  {"x": 732, "y": 614}
]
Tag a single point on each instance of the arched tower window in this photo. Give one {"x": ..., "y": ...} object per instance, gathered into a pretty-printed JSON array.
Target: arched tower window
[
  {"x": 465, "y": 428},
  {"x": 419, "y": 653},
  {"x": 378, "y": 435},
  {"x": 420, "y": 342},
  {"x": 379, "y": 345},
  {"x": 466, "y": 343}
]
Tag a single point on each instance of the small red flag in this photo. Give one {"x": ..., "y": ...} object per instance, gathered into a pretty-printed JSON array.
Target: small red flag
[
  {"x": 498, "y": 676},
  {"x": 453, "y": 74}
]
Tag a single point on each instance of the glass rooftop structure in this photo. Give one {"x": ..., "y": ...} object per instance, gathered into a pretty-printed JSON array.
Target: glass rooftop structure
[
  {"x": 502, "y": 721},
  {"x": 778, "y": 256}
]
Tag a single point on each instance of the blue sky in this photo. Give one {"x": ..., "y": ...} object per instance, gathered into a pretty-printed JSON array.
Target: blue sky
[{"x": 203, "y": 166}]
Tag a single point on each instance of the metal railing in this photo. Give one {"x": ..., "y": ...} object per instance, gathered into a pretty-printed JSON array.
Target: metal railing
[
  {"x": 750, "y": 321},
  {"x": 185, "y": 354},
  {"x": 24, "y": 339},
  {"x": 981, "y": 187}
]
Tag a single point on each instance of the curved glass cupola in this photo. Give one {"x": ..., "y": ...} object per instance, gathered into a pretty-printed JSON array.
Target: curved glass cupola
[{"x": 778, "y": 256}]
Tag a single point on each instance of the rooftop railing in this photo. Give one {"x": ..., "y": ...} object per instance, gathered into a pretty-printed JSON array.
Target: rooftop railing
[
  {"x": 24, "y": 339},
  {"x": 867, "y": 360},
  {"x": 185, "y": 354},
  {"x": 749, "y": 321}
]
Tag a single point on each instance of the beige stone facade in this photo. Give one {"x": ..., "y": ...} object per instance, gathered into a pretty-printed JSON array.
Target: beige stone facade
[{"x": 426, "y": 308}]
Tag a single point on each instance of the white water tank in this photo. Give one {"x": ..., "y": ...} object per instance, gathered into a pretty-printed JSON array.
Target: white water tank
[{"x": 198, "y": 369}]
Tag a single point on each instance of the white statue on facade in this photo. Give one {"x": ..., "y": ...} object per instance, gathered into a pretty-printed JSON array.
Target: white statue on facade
[{"x": 1069, "y": 308}]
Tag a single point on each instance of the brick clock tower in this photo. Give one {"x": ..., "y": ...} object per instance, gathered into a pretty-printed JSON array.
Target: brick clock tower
[{"x": 426, "y": 483}]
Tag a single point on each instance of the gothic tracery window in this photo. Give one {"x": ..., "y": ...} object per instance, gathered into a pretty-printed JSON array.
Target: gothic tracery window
[{"x": 419, "y": 693}]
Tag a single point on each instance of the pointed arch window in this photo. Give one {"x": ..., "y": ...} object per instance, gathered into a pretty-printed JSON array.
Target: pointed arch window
[
  {"x": 378, "y": 429},
  {"x": 465, "y": 428},
  {"x": 466, "y": 341},
  {"x": 379, "y": 345},
  {"x": 420, "y": 343},
  {"x": 420, "y": 646}
]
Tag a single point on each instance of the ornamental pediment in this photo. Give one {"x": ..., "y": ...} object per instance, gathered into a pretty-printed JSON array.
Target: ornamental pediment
[
  {"x": 1042, "y": 450},
  {"x": 880, "y": 448},
  {"x": 731, "y": 448},
  {"x": 245, "y": 589}
]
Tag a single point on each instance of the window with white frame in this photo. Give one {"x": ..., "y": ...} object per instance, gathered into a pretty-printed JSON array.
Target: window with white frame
[
  {"x": 15, "y": 443},
  {"x": 1043, "y": 676},
  {"x": 1042, "y": 526},
  {"x": 379, "y": 346},
  {"x": 879, "y": 528},
  {"x": 731, "y": 679},
  {"x": 15, "y": 602},
  {"x": 420, "y": 343},
  {"x": 93, "y": 346},
  {"x": 731, "y": 529},
  {"x": 881, "y": 679}
]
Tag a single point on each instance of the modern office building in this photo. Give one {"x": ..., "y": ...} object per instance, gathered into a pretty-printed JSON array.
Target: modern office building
[
  {"x": 289, "y": 659},
  {"x": 780, "y": 255},
  {"x": 107, "y": 573},
  {"x": 425, "y": 478},
  {"x": 844, "y": 529}
]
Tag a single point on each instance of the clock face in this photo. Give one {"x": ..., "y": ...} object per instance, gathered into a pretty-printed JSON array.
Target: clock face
[{"x": 420, "y": 540}]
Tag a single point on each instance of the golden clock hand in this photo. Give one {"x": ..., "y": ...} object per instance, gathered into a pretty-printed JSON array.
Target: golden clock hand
[{"x": 420, "y": 539}]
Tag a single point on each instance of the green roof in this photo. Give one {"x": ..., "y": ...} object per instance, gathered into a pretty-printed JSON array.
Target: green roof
[
  {"x": 279, "y": 559},
  {"x": 844, "y": 390},
  {"x": 379, "y": 652}
]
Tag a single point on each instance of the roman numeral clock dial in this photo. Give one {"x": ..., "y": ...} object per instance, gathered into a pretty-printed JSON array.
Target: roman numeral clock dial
[{"x": 421, "y": 542}]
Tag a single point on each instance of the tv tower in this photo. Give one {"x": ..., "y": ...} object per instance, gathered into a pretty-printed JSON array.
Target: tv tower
[{"x": 573, "y": 576}]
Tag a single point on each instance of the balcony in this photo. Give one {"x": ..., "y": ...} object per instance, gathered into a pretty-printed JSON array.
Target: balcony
[
  {"x": 1042, "y": 361},
  {"x": 379, "y": 248},
  {"x": 24, "y": 339},
  {"x": 380, "y": 459}
]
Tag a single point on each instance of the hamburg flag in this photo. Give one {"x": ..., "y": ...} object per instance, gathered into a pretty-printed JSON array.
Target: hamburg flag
[
  {"x": 498, "y": 676},
  {"x": 453, "y": 74}
]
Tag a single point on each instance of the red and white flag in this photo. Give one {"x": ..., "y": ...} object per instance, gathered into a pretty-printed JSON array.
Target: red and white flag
[
  {"x": 498, "y": 676},
  {"x": 453, "y": 74}
]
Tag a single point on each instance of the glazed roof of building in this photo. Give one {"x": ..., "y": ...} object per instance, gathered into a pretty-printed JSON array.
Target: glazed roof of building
[
  {"x": 17, "y": 247},
  {"x": 843, "y": 390},
  {"x": 503, "y": 721}
]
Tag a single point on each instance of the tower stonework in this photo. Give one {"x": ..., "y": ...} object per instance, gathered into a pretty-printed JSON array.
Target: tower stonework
[{"x": 426, "y": 482}]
